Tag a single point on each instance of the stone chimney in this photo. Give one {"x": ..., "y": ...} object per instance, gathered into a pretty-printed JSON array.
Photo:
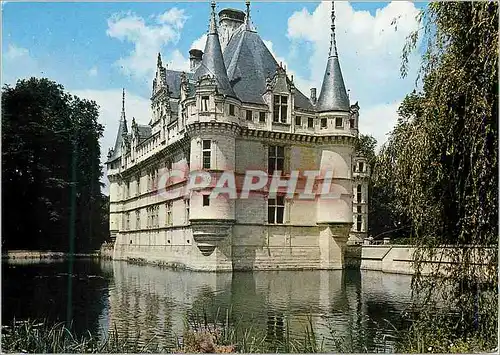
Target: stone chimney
[
  {"x": 195, "y": 56},
  {"x": 313, "y": 96},
  {"x": 229, "y": 21}
]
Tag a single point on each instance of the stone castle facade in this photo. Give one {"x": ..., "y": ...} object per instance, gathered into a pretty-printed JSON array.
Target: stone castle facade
[{"x": 237, "y": 110}]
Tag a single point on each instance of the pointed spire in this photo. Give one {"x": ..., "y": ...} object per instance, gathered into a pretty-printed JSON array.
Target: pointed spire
[
  {"x": 212, "y": 29},
  {"x": 123, "y": 104},
  {"x": 248, "y": 25},
  {"x": 158, "y": 62},
  {"x": 333, "y": 42},
  {"x": 333, "y": 96},
  {"x": 213, "y": 62}
]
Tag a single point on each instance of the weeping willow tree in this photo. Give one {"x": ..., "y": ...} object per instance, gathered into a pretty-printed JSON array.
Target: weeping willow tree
[{"x": 441, "y": 162}]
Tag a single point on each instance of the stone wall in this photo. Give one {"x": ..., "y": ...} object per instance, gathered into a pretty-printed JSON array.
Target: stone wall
[{"x": 399, "y": 258}]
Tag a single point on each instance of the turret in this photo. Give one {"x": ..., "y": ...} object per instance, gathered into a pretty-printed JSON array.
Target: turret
[
  {"x": 333, "y": 96},
  {"x": 212, "y": 65}
]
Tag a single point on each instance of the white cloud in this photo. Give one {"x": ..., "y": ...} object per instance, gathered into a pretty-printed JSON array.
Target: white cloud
[
  {"x": 93, "y": 71},
  {"x": 378, "y": 121},
  {"x": 369, "y": 51},
  {"x": 15, "y": 52},
  {"x": 199, "y": 43},
  {"x": 18, "y": 64},
  {"x": 109, "y": 102},
  {"x": 148, "y": 40}
]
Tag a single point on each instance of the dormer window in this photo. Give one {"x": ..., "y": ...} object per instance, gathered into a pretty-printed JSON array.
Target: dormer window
[
  {"x": 204, "y": 103},
  {"x": 231, "y": 110},
  {"x": 339, "y": 123},
  {"x": 361, "y": 166},
  {"x": 280, "y": 108}
]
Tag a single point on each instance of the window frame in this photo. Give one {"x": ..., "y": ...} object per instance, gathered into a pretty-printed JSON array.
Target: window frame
[
  {"x": 361, "y": 166},
  {"x": 206, "y": 201},
  {"x": 298, "y": 121},
  {"x": 274, "y": 205},
  {"x": 337, "y": 125},
  {"x": 137, "y": 219},
  {"x": 323, "y": 123},
  {"x": 168, "y": 215},
  {"x": 206, "y": 153},
  {"x": 280, "y": 108},
  {"x": 204, "y": 103},
  {"x": 310, "y": 122},
  {"x": 274, "y": 157},
  {"x": 262, "y": 117},
  {"x": 359, "y": 193},
  {"x": 249, "y": 115},
  {"x": 231, "y": 110}
]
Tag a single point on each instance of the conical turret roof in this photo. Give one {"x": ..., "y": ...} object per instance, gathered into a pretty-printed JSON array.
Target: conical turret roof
[
  {"x": 213, "y": 62},
  {"x": 122, "y": 131},
  {"x": 333, "y": 96}
]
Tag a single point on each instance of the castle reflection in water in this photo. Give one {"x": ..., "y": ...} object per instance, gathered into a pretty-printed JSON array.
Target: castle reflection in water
[{"x": 361, "y": 310}]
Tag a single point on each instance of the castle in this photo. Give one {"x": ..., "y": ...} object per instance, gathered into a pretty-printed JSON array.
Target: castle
[{"x": 237, "y": 110}]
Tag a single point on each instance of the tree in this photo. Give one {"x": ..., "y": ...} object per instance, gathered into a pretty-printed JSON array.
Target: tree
[
  {"x": 442, "y": 160},
  {"x": 44, "y": 131}
]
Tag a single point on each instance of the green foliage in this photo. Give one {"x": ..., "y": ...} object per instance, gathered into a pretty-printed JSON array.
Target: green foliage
[
  {"x": 441, "y": 166},
  {"x": 47, "y": 134}
]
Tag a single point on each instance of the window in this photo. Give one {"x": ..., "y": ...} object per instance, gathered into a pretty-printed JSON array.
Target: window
[
  {"x": 137, "y": 219},
  {"x": 361, "y": 166},
  {"x": 262, "y": 117},
  {"x": 310, "y": 122},
  {"x": 339, "y": 122},
  {"x": 168, "y": 207},
  {"x": 323, "y": 123},
  {"x": 276, "y": 159},
  {"x": 125, "y": 189},
  {"x": 206, "y": 200},
  {"x": 298, "y": 121},
  {"x": 207, "y": 152},
  {"x": 168, "y": 164},
  {"x": 280, "y": 108},
  {"x": 351, "y": 123},
  {"x": 231, "y": 110},
  {"x": 276, "y": 209},
  {"x": 358, "y": 209},
  {"x": 249, "y": 115},
  {"x": 204, "y": 103},
  {"x": 358, "y": 194},
  {"x": 187, "y": 211},
  {"x": 359, "y": 222},
  {"x": 127, "y": 221},
  {"x": 138, "y": 186}
]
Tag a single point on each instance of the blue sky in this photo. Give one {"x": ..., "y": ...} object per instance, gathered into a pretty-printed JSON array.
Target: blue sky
[{"x": 95, "y": 49}]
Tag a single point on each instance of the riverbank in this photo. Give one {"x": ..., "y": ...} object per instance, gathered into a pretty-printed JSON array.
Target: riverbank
[{"x": 49, "y": 255}]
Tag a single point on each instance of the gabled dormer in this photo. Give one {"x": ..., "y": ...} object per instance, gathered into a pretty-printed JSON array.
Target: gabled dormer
[{"x": 279, "y": 95}]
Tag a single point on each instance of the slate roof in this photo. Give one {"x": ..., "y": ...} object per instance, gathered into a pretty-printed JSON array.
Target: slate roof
[
  {"x": 212, "y": 63},
  {"x": 249, "y": 62},
  {"x": 144, "y": 132},
  {"x": 333, "y": 96},
  {"x": 174, "y": 82}
]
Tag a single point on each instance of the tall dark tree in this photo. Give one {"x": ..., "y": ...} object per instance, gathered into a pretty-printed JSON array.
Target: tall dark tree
[
  {"x": 442, "y": 162},
  {"x": 50, "y": 143}
]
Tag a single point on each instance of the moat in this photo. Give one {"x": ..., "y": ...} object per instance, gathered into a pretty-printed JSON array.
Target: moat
[{"x": 361, "y": 309}]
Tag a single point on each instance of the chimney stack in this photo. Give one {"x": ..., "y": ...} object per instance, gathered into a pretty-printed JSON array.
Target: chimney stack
[
  {"x": 313, "y": 96},
  {"x": 195, "y": 57}
]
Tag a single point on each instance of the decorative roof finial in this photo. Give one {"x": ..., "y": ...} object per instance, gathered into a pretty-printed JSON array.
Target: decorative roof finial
[
  {"x": 247, "y": 18},
  {"x": 212, "y": 29},
  {"x": 158, "y": 63},
  {"x": 123, "y": 103},
  {"x": 333, "y": 42}
]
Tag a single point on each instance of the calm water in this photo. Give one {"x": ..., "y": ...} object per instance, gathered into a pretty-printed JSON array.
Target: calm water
[{"x": 361, "y": 309}]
